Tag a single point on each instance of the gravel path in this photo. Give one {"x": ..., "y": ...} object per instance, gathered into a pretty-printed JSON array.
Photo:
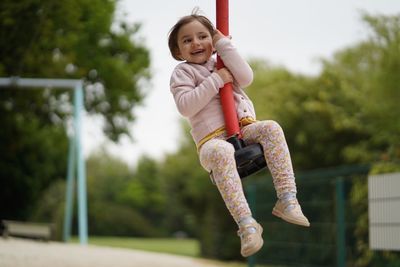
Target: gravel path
[{"x": 28, "y": 253}]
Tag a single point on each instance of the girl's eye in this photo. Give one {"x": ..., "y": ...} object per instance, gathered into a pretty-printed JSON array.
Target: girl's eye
[
  {"x": 203, "y": 37},
  {"x": 186, "y": 41}
]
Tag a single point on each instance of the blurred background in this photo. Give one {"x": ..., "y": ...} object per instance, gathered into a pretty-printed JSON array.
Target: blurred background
[{"x": 328, "y": 72}]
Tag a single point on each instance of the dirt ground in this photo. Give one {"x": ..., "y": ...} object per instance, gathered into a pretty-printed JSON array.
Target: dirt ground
[{"x": 16, "y": 252}]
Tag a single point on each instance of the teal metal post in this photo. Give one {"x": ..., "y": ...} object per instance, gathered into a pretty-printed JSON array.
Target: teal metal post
[
  {"x": 340, "y": 223},
  {"x": 75, "y": 158},
  {"x": 69, "y": 195},
  {"x": 251, "y": 191},
  {"x": 81, "y": 171}
]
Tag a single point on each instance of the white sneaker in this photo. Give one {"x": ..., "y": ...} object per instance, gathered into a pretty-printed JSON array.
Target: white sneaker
[
  {"x": 290, "y": 211},
  {"x": 250, "y": 238}
]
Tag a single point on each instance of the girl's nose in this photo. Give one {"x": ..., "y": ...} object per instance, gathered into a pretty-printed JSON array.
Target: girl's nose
[{"x": 196, "y": 41}]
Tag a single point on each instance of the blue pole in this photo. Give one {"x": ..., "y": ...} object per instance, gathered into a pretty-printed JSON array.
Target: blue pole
[
  {"x": 69, "y": 195},
  {"x": 82, "y": 198}
]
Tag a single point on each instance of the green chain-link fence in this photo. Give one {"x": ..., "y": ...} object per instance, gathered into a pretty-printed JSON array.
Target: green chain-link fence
[{"x": 324, "y": 197}]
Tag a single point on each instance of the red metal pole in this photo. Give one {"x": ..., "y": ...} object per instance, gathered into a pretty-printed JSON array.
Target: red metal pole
[{"x": 226, "y": 93}]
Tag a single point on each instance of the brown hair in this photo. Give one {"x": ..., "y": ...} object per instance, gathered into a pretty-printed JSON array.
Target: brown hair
[{"x": 173, "y": 33}]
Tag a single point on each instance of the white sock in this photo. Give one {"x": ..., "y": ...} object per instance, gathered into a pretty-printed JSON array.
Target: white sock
[
  {"x": 245, "y": 221},
  {"x": 285, "y": 197},
  {"x": 288, "y": 196}
]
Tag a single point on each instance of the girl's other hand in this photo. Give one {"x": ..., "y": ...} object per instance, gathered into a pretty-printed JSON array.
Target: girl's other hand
[{"x": 225, "y": 75}]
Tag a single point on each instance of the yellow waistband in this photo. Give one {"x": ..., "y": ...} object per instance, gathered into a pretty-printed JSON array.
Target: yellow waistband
[{"x": 243, "y": 122}]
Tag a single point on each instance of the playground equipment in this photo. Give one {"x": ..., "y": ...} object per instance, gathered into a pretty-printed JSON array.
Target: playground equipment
[
  {"x": 250, "y": 158},
  {"x": 76, "y": 162}
]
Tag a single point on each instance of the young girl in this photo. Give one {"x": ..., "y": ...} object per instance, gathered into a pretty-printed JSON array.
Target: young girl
[{"x": 195, "y": 85}]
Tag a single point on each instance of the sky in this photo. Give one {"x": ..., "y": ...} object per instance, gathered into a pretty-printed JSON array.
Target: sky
[{"x": 294, "y": 34}]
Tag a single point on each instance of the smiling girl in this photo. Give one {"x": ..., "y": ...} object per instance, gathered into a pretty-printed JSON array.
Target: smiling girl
[{"x": 195, "y": 85}]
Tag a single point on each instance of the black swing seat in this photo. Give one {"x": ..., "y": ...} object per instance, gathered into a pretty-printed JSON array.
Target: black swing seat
[{"x": 249, "y": 159}]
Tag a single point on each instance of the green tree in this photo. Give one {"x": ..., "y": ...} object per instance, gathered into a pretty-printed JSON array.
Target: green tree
[
  {"x": 347, "y": 114},
  {"x": 119, "y": 204},
  {"x": 75, "y": 39},
  {"x": 61, "y": 39},
  {"x": 50, "y": 207},
  {"x": 108, "y": 180},
  {"x": 144, "y": 194},
  {"x": 303, "y": 107},
  {"x": 32, "y": 157},
  {"x": 367, "y": 81}
]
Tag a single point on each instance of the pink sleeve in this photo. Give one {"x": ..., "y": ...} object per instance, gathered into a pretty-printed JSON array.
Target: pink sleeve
[
  {"x": 190, "y": 99},
  {"x": 239, "y": 68}
]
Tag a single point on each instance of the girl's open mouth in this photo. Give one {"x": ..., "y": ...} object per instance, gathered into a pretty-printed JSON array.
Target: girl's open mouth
[{"x": 197, "y": 52}]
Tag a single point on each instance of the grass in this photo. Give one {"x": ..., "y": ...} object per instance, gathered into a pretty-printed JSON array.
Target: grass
[{"x": 184, "y": 247}]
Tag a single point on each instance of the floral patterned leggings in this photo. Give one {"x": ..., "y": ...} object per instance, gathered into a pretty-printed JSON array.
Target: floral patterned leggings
[{"x": 217, "y": 156}]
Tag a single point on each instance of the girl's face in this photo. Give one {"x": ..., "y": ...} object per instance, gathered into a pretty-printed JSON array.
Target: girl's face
[{"x": 195, "y": 43}]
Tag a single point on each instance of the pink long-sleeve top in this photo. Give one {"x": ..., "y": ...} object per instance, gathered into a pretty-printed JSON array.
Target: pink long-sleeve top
[{"x": 195, "y": 88}]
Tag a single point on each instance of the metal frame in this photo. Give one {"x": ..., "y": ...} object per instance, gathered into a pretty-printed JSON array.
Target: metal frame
[{"x": 76, "y": 160}]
